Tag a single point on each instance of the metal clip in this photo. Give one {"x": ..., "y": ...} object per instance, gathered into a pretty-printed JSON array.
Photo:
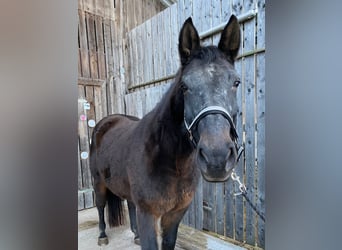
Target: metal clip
[{"x": 242, "y": 186}]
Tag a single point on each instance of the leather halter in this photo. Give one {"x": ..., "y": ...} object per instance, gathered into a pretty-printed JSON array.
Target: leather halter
[{"x": 214, "y": 110}]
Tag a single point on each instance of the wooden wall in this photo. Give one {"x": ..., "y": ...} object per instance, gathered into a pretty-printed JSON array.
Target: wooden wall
[
  {"x": 153, "y": 60},
  {"x": 102, "y": 62}
]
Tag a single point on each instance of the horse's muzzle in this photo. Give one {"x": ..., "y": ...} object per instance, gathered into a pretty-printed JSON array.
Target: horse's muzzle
[{"x": 217, "y": 164}]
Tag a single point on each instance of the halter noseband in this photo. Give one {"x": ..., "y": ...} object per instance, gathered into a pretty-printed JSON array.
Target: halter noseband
[{"x": 214, "y": 110}]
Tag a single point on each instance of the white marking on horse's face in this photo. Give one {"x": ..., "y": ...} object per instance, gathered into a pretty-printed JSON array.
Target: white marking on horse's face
[{"x": 211, "y": 69}]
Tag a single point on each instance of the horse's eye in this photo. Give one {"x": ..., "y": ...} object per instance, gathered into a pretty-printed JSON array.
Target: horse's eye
[
  {"x": 183, "y": 87},
  {"x": 236, "y": 83}
]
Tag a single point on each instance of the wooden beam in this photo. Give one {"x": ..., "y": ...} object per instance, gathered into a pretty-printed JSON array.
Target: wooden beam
[{"x": 90, "y": 82}]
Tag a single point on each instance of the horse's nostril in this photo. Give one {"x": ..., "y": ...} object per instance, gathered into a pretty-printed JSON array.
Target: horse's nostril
[
  {"x": 231, "y": 153},
  {"x": 203, "y": 155}
]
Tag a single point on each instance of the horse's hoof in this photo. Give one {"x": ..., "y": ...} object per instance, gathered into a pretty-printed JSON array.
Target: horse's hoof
[
  {"x": 102, "y": 241},
  {"x": 137, "y": 240}
]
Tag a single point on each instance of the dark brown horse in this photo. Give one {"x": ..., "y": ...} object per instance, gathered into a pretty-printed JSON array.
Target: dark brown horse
[{"x": 155, "y": 163}]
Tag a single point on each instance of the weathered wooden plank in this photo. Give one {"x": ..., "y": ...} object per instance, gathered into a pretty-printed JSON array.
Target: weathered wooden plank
[
  {"x": 181, "y": 12},
  {"x": 121, "y": 81},
  {"x": 100, "y": 47},
  {"x": 141, "y": 53},
  {"x": 134, "y": 59},
  {"x": 90, "y": 82},
  {"x": 226, "y": 10},
  {"x": 239, "y": 208},
  {"x": 154, "y": 37},
  {"x": 149, "y": 52},
  {"x": 80, "y": 181},
  {"x": 260, "y": 202},
  {"x": 80, "y": 4},
  {"x": 92, "y": 46},
  {"x": 216, "y": 19},
  {"x": 261, "y": 24},
  {"x": 250, "y": 94},
  {"x": 79, "y": 63},
  {"x": 89, "y": 91},
  {"x": 88, "y": 199},
  {"x": 220, "y": 208},
  {"x": 199, "y": 206},
  {"x": 167, "y": 41},
  {"x": 109, "y": 65},
  {"x": 98, "y": 104},
  {"x": 237, "y": 6},
  {"x": 83, "y": 140},
  {"x": 80, "y": 201},
  {"x": 83, "y": 44},
  {"x": 174, "y": 61}
]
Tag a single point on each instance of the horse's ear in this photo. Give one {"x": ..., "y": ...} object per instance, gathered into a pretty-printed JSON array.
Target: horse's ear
[
  {"x": 188, "y": 40},
  {"x": 230, "y": 38}
]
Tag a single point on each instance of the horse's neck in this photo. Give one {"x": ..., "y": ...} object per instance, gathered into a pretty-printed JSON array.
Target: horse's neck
[{"x": 167, "y": 142}]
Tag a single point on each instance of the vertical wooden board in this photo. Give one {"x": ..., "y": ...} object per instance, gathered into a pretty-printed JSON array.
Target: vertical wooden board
[
  {"x": 88, "y": 199},
  {"x": 167, "y": 41},
  {"x": 220, "y": 208},
  {"x": 148, "y": 52},
  {"x": 107, "y": 8},
  {"x": 250, "y": 93},
  {"x": 154, "y": 37},
  {"x": 239, "y": 208},
  {"x": 180, "y": 11},
  {"x": 209, "y": 201},
  {"x": 80, "y": 4},
  {"x": 141, "y": 42},
  {"x": 91, "y": 112},
  {"x": 137, "y": 55},
  {"x": 229, "y": 208},
  {"x": 98, "y": 103},
  {"x": 133, "y": 57},
  {"x": 144, "y": 45},
  {"x": 226, "y": 10},
  {"x": 250, "y": 146},
  {"x": 129, "y": 76},
  {"x": 100, "y": 47},
  {"x": 188, "y": 9},
  {"x": 128, "y": 110},
  {"x": 99, "y": 8},
  {"x": 83, "y": 44},
  {"x": 237, "y": 7},
  {"x": 174, "y": 38},
  {"x": 161, "y": 49},
  {"x": 84, "y": 140},
  {"x": 216, "y": 19},
  {"x": 79, "y": 63},
  {"x": 109, "y": 64},
  {"x": 261, "y": 24},
  {"x": 80, "y": 201},
  {"x": 80, "y": 182},
  {"x": 92, "y": 46},
  {"x": 198, "y": 206},
  {"x": 260, "y": 203},
  {"x": 142, "y": 103},
  {"x": 104, "y": 100}
]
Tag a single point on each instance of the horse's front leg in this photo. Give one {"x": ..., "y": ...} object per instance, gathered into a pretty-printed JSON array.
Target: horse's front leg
[
  {"x": 147, "y": 225},
  {"x": 169, "y": 224}
]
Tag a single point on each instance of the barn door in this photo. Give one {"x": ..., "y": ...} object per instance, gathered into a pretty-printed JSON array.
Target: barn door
[{"x": 90, "y": 111}]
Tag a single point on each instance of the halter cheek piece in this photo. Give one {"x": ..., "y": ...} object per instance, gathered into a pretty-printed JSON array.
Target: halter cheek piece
[{"x": 214, "y": 110}]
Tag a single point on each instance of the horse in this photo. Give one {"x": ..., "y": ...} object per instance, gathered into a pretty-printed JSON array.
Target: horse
[{"x": 155, "y": 162}]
